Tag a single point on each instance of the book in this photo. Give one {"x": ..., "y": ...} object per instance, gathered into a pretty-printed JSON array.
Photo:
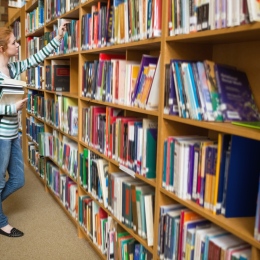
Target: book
[
  {"x": 60, "y": 75},
  {"x": 213, "y": 89},
  {"x": 236, "y": 98},
  {"x": 252, "y": 124},
  {"x": 11, "y": 91},
  {"x": 253, "y": 10},
  {"x": 10, "y": 95},
  {"x": 12, "y": 82},
  {"x": 150, "y": 130},
  {"x": 240, "y": 189},
  {"x": 146, "y": 60}
]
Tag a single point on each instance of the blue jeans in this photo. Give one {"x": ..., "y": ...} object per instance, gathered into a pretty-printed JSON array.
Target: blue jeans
[{"x": 12, "y": 162}]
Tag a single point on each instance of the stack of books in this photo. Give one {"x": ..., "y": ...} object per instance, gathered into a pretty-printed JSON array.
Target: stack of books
[{"x": 11, "y": 91}]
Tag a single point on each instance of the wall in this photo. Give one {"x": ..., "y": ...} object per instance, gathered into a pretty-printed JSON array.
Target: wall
[{"x": 3, "y": 12}]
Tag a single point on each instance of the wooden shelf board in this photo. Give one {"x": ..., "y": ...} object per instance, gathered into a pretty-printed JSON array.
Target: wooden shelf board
[
  {"x": 226, "y": 127},
  {"x": 143, "y": 45},
  {"x": 95, "y": 247},
  {"x": 38, "y": 32},
  {"x": 73, "y": 220},
  {"x": 247, "y": 32},
  {"x": 123, "y": 107}
]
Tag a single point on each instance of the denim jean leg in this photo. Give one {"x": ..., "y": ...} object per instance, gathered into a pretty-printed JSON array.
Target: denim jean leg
[
  {"x": 5, "y": 150},
  {"x": 15, "y": 170}
]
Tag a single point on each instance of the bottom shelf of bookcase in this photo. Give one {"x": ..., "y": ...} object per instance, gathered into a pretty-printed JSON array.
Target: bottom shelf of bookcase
[
  {"x": 241, "y": 227},
  {"x": 42, "y": 181},
  {"x": 82, "y": 234}
]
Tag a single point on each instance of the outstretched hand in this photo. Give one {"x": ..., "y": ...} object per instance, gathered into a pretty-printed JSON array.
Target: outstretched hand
[
  {"x": 61, "y": 31},
  {"x": 20, "y": 104}
]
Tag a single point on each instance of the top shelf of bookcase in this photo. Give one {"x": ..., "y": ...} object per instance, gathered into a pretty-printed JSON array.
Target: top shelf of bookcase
[{"x": 242, "y": 33}]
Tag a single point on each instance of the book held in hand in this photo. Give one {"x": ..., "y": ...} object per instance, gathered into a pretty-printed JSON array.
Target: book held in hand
[{"x": 11, "y": 91}]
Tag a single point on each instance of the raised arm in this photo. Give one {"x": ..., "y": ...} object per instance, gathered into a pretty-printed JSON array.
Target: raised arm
[{"x": 35, "y": 59}]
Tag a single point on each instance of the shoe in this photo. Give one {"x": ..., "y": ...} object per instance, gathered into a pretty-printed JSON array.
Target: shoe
[{"x": 14, "y": 233}]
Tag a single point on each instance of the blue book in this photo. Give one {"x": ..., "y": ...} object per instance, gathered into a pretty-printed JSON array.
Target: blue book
[
  {"x": 236, "y": 98},
  {"x": 242, "y": 179},
  {"x": 137, "y": 252}
]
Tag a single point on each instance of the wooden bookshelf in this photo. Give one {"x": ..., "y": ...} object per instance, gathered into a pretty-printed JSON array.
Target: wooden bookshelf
[{"x": 236, "y": 46}]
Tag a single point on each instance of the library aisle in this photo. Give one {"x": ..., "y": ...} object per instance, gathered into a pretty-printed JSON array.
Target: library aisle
[{"x": 49, "y": 233}]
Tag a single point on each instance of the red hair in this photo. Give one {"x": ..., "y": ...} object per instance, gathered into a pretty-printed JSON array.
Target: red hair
[{"x": 5, "y": 33}]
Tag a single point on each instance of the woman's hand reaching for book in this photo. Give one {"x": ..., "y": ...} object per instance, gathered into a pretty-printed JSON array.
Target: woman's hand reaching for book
[
  {"x": 61, "y": 31},
  {"x": 20, "y": 104}
]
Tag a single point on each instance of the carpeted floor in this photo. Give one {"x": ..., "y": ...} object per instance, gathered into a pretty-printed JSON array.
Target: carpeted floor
[{"x": 49, "y": 233}]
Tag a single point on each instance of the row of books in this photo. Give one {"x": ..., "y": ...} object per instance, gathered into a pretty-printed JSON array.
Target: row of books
[
  {"x": 70, "y": 41},
  {"x": 213, "y": 173},
  {"x": 192, "y": 16},
  {"x": 93, "y": 175},
  {"x": 130, "y": 141},
  {"x": 117, "y": 22},
  {"x": 63, "y": 152},
  {"x": 185, "y": 235},
  {"x": 61, "y": 112},
  {"x": 113, "y": 79},
  {"x": 16, "y": 27},
  {"x": 35, "y": 103},
  {"x": 209, "y": 91},
  {"x": 34, "y": 44},
  {"x": 63, "y": 187},
  {"x": 130, "y": 201},
  {"x": 110, "y": 238},
  {"x": 35, "y": 77},
  {"x": 33, "y": 129},
  {"x": 121, "y": 245},
  {"x": 56, "y": 8},
  {"x": 34, "y": 158},
  {"x": 57, "y": 75},
  {"x": 35, "y": 19},
  {"x": 93, "y": 219}
]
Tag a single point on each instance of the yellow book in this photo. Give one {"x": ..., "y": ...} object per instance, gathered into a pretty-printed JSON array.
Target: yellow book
[
  {"x": 134, "y": 75},
  {"x": 216, "y": 182},
  {"x": 142, "y": 83},
  {"x": 147, "y": 86}
]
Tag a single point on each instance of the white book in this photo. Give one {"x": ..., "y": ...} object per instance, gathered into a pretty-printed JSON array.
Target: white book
[
  {"x": 225, "y": 242},
  {"x": 253, "y": 10},
  {"x": 103, "y": 175},
  {"x": 153, "y": 98},
  {"x": 149, "y": 216},
  {"x": 121, "y": 81},
  {"x": 200, "y": 238}
]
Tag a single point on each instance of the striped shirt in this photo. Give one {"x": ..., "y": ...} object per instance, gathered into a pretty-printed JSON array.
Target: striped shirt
[{"x": 8, "y": 113}]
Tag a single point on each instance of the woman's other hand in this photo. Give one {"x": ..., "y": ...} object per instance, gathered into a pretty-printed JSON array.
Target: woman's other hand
[{"x": 20, "y": 104}]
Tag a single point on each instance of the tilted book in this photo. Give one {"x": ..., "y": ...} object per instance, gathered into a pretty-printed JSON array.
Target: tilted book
[{"x": 236, "y": 98}]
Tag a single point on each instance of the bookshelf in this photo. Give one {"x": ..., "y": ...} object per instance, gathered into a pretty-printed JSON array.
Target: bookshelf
[{"x": 235, "y": 46}]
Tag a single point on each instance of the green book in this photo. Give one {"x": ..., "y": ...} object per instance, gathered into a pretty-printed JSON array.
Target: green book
[{"x": 254, "y": 124}]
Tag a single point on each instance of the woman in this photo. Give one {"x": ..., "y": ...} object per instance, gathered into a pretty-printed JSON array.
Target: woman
[{"x": 10, "y": 150}]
